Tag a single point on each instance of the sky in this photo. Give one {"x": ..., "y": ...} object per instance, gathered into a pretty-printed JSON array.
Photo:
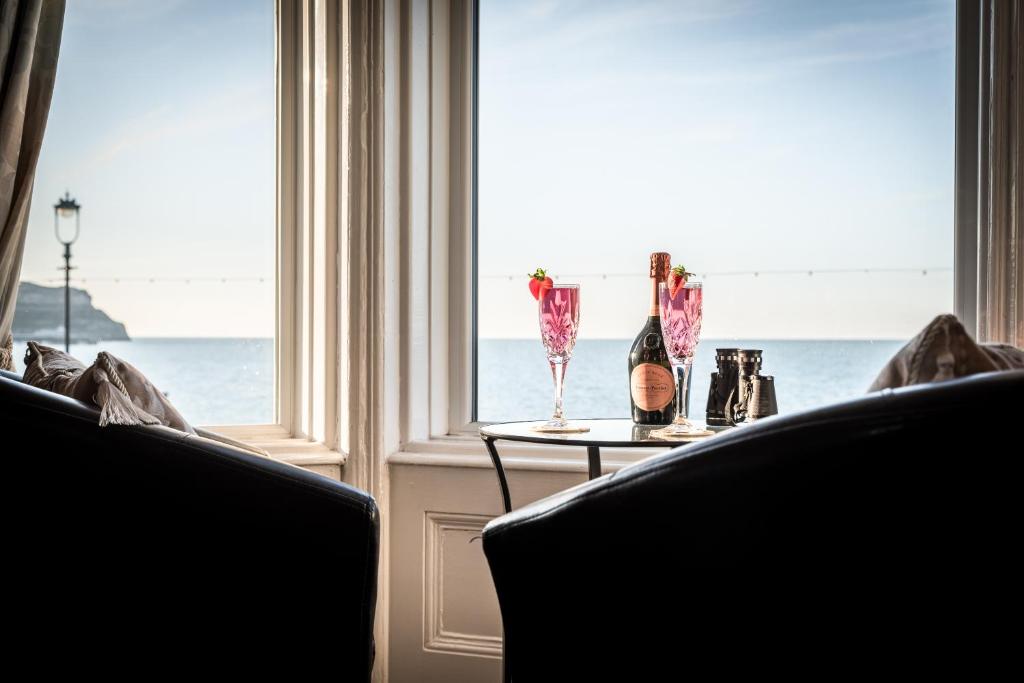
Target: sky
[
  {"x": 736, "y": 135},
  {"x": 162, "y": 127}
]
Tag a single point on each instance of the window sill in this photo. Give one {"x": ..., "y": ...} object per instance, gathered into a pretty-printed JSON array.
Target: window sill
[{"x": 282, "y": 446}]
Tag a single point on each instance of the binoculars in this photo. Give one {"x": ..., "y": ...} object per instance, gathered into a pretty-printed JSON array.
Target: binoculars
[{"x": 739, "y": 392}]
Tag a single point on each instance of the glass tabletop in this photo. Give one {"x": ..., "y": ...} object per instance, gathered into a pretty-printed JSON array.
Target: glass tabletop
[{"x": 611, "y": 432}]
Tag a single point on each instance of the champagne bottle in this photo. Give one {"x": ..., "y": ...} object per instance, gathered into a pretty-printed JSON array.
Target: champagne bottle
[{"x": 651, "y": 385}]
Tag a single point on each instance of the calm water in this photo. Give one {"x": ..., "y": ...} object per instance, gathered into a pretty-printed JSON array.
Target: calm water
[
  {"x": 210, "y": 381},
  {"x": 231, "y": 381},
  {"x": 515, "y": 382}
]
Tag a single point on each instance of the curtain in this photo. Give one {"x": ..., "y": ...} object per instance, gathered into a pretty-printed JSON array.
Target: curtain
[
  {"x": 1001, "y": 178},
  {"x": 30, "y": 33},
  {"x": 990, "y": 169}
]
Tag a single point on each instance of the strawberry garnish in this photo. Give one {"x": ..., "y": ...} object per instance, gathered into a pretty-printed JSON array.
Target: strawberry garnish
[
  {"x": 677, "y": 280},
  {"x": 540, "y": 283}
]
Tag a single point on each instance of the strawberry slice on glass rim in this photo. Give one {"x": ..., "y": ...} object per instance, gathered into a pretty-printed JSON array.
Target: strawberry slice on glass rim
[
  {"x": 677, "y": 280},
  {"x": 540, "y": 283}
]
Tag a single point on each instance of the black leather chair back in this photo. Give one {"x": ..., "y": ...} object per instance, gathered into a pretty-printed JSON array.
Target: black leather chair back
[
  {"x": 155, "y": 551},
  {"x": 877, "y": 535}
]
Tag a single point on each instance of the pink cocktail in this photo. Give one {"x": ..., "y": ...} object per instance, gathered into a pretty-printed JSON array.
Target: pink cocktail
[
  {"x": 559, "y": 313},
  {"x": 681, "y": 318},
  {"x": 559, "y": 319},
  {"x": 681, "y": 314}
]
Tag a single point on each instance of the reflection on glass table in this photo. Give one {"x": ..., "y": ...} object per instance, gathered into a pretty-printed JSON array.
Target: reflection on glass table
[{"x": 613, "y": 433}]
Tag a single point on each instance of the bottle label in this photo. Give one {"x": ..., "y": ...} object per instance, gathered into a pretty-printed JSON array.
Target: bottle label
[{"x": 652, "y": 386}]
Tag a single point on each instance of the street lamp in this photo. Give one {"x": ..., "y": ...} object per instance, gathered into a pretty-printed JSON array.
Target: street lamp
[{"x": 64, "y": 211}]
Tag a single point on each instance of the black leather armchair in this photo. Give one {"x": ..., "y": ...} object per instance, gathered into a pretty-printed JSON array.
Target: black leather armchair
[
  {"x": 877, "y": 535},
  {"x": 154, "y": 550}
]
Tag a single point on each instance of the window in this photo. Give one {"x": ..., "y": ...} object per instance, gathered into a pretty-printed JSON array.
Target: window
[
  {"x": 797, "y": 156},
  {"x": 162, "y": 128}
]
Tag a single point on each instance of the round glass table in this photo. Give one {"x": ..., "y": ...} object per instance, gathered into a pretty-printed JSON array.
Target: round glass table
[{"x": 611, "y": 433}]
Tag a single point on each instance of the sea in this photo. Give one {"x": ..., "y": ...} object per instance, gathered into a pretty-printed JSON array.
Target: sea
[
  {"x": 217, "y": 381},
  {"x": 515, "y": 380},
  {"x": 211, "y": 381}
]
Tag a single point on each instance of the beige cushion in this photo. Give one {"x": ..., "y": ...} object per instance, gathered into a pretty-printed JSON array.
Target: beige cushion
[
  {"x": 122, "y": 393},
  {"x": 944, "y": 350}
]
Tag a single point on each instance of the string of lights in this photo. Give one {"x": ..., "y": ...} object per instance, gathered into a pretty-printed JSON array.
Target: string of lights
[
  {"x": 154, "y": 280},
  {"x": 924, "y": 271},
  {"x": 749, "y": 273}
]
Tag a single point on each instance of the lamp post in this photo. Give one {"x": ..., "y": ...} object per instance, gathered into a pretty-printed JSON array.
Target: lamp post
[{"x": 64, "y": 211}]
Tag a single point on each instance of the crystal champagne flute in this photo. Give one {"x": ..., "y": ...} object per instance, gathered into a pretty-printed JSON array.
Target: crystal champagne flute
[
  {"x": 681, "y": 313},
  {"x": 559, "y": 314}
]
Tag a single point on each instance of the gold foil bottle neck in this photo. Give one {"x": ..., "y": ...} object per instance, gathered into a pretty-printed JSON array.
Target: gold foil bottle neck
[{"x": 661, "y": 264}]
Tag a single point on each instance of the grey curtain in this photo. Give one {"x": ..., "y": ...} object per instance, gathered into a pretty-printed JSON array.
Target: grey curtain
[
  {"x": 1001, "y": 177},
  {"x": 990, "y": 169},
  {"x": 29, "y": 43}
]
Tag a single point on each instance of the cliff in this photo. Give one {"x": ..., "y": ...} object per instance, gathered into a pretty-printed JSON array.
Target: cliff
[{"x": 39, "y": 316}]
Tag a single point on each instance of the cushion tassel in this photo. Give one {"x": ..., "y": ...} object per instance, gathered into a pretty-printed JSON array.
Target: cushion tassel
[{"x": 116, "y": 408}]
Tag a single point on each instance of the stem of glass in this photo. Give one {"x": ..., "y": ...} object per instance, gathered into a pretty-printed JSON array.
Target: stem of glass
[
  {"x": 558, "y": 372},
  {"x": 683, "y": 391}
]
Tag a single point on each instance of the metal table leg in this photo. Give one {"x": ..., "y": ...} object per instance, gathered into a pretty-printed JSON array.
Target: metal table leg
[
  {"x": 502, "y": 481},
  {"x": 594, "y": 461},
  {"x": 507, "y": 501},
  {"x": 593, "y": 471},
  {"x": 593, "y": 468}
]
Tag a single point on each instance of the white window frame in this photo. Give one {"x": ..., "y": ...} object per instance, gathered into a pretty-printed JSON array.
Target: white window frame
[
  {"x": 338, "y": 255},
  {"x": 425, "y": 200},
  {"x": 438, "y": 292},
  {"x": 436, "y": 244},
  {"x": 444, "y": 377},
  {"x": 308, "y": 414}
]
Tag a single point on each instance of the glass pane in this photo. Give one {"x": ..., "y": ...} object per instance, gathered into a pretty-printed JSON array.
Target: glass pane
[
  {"x": 162, "y": 128},
  {"x": 797, "y": 156}
]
